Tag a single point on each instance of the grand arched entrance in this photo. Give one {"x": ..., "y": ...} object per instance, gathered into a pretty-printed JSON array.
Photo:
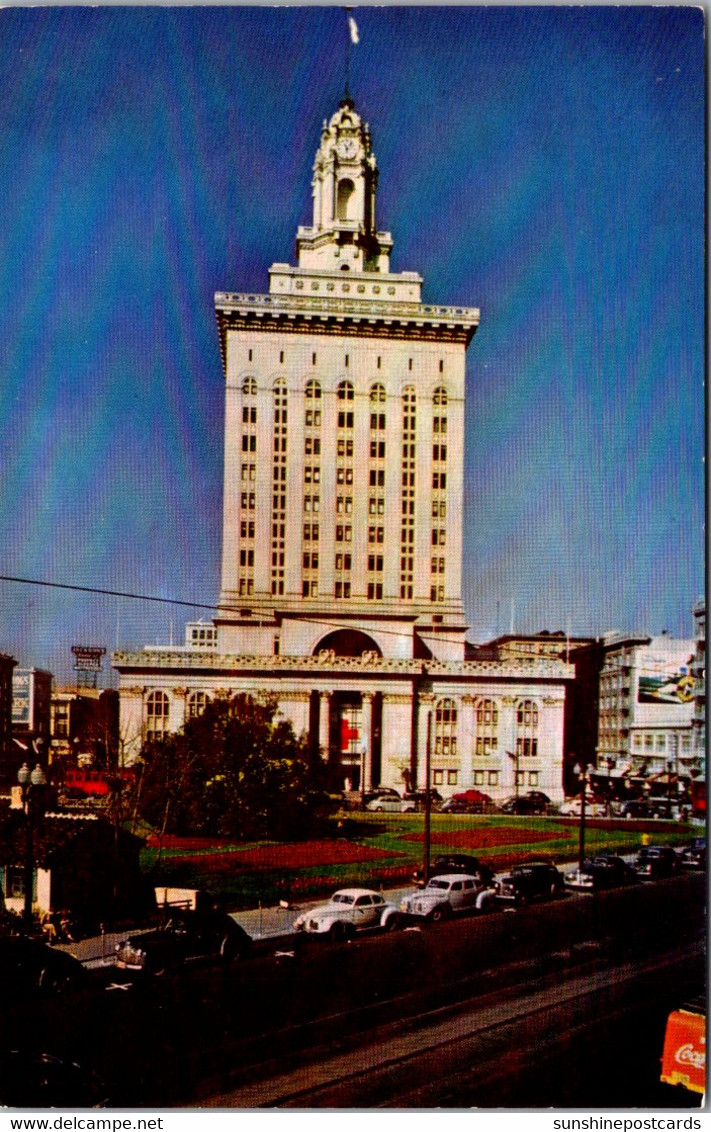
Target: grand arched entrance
[{"x": 346, "y": 723}]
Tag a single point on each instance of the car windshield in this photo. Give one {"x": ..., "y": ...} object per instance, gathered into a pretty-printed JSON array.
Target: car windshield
[
  {"x": 342, "y": 898},
  {"x": 438, "y": 884}
]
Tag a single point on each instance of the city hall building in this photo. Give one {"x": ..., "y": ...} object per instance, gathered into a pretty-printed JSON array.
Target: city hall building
[{"x": 342, "y": 530}]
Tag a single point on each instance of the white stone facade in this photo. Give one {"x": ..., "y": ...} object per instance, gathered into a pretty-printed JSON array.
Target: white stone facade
[{"x": 342, "y": 528}]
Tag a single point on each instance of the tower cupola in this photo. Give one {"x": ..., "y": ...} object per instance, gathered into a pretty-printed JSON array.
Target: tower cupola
[{"x": 344, "y": 236}]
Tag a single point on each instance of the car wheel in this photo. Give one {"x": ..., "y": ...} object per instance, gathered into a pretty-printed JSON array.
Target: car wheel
[
  {"x": 393, "y": 923},
  {"x": 378, "y": 810},
  {"x": 337, "y": 932},
  {"x": 441, "y": 912},
  {"x": 229, "y": 950}
]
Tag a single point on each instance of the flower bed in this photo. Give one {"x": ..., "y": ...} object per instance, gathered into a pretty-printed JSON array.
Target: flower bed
[
  {"x": 281, "y": 855},
  {"x": 488, "y": 836}
]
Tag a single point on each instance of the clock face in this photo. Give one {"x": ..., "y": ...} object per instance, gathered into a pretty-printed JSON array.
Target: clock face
[{"x": 347, "y": 147}]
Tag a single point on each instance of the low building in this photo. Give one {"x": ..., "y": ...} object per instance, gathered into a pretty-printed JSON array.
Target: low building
[
  {"x": 84, "y": 729},
  {"x": 647, "y": 706},
  {"x": 82, "y": 864}
]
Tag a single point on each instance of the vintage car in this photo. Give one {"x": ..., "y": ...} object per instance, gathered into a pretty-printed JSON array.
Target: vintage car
[
  {"x": 533, "y": 880},
  {"x": 693, "y": 855},
  {"x": 442, "y": 896},
  {"x": 33, "y": 969},
  {"x": 656, "y": 861},
  {"x": 604, "y": 871},
  {"x": 348, "y": 911},
  {"x": 185, "y": 936}
]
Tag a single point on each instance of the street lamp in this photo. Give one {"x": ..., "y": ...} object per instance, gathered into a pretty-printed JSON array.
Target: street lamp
[
  {"x": 32, "y": 784},
  {"x": 428, "y": 800},
  {"x": 581, "y": 770}
]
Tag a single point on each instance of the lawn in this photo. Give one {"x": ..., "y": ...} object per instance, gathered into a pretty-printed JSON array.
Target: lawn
[{"x": 379, "y": 850}]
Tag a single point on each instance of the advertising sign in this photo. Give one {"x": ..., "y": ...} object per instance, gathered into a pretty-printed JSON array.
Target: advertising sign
[
  {"x": 21, "y": 698},
  {"x": 87, "y": 658},
  {"x": 665, "y": 680}
]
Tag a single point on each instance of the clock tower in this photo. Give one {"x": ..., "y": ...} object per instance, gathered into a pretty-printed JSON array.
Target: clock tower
[{"x": 343, "y": 236}]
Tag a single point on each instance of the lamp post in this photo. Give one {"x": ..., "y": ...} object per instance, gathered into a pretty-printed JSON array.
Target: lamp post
[
  {"x": 582, "y": 772},
  {"x": 32, "y": 784},
  {"x": 428, "y": 801}
]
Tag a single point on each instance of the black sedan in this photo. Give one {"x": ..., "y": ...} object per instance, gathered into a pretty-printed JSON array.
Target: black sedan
[
  {"x": 655, "y": 861},
  {"x": 532, "y": 881},
  {"x": 31, "y": 969},
  {"x": 523, "y": 804},
  {"x": 185, "y": 936},
  {"x": 604, "y": 871},
  {"x": 693, "y": 855}
]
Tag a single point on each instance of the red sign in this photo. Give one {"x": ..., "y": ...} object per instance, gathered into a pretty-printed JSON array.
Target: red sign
[
  {"x": 349, "y": 734},
  {"x": 684, "y": 1057}
]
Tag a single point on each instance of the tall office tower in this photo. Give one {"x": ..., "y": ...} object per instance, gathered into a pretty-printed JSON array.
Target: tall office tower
[{"x": 344, "y": 437}]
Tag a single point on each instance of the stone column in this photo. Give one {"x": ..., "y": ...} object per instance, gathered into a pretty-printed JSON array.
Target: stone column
[
  {"x": 367, "y": 740},
  {"x": 324, "y": 723},
  {"x": 466, "y": 742},
  {"x": 507, "y": 744},
  {"x": 425, "y": 707},
  {"x": 395, "y": 728}
]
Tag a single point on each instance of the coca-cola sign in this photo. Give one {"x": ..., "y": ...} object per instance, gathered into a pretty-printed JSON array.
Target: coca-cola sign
[{"x": 689, "y": 1055}]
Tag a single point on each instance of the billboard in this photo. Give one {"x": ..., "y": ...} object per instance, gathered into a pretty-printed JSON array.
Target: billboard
[
  {"x": 665, "y": 679},
  {"x": 21, "y": 699}
]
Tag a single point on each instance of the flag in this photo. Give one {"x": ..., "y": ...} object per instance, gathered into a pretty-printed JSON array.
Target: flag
[{"x": 353, "y": 27}]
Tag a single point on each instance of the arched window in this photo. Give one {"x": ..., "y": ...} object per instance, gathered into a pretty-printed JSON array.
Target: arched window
[
  {"x": 249, "y": 386},
  {"x": 377, "y": 393},
  {"x": 440, "y": 395},
  {"x": 196, "y": 704},
  {"x": 313, "y": 390},
  {"x": 445, "y": 736},
  {"x": 487, "y": 724},
  {"x": 345, "y": 200},
  {"x": 526, "y": 729},
  {"x": 345, "y": 391},
  {"x": 156, "y": 716}
]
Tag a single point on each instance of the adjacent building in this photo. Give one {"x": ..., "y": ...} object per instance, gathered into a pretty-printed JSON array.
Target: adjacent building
[
  {"x": 647, "y": 706},
  {"x": 343, "y": 527}
]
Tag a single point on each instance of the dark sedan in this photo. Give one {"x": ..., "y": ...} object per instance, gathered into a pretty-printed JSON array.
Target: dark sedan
[
  {"x": 604, "y": 871},
  {"x": 523, "y": 805},
  {"x": 185, "y": 936},
  {"x": 693, "y": 855},
  {"x": 33, "y": 969},
  {"x": 532, "y": 881},
  {"x": 655, "y": 861}
]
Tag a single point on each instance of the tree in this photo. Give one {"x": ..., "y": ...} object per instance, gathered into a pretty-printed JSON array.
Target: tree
[{"x": 234, "y": 771}]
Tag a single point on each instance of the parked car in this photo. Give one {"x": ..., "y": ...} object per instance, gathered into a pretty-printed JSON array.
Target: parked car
[
  {"x": 41, "y": 1080},
  {"x": 380, "y": 792},
  {"x": 455, "y": 863},
  {"x": 31, "y": 969},
  {"x": 572, "y": 808},
  {"x": 655, "y": 861},
  {"x": 442, "y": 896},
  {"x": 538, "y": 796},
  {"x": 604, "y": 871},
  {"x": 414, "y": 801},
  {"x": 523, "y": 805},
  {"x": 185, "y": 936},
  {"x": 635, "y": 808},
  {"x": 348, "y": 910},
  {"x": 385, "y": 804},
  {"x": 467, "y": 802},
  {"x": 530, "y": 881},
  {"x": 693, "y": 855},
  {"x": 665, "y": 808}
]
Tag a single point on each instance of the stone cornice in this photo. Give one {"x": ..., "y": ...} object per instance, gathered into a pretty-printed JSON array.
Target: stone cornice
[
  {"x": 350, "y": 316},
  {"x": 326, "y": 661}
]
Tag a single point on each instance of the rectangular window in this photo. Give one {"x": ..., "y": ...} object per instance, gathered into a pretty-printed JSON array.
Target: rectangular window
[
  {"x": 493, "y": 779},
  {"x": 438, "y": 778},
  {"x": 451, "y": 778}
]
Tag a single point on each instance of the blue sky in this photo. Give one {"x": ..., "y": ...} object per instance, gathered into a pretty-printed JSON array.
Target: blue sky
[{"x": 543, "y": 164}]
